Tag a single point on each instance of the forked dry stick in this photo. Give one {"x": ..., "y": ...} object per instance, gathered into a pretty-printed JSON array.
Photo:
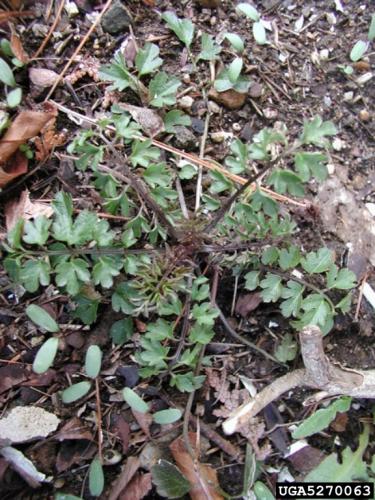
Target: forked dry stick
[{"x": 319, "y": 373}]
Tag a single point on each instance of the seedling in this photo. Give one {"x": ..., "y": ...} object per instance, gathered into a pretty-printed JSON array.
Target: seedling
[
  {"x": 251, "y": 12},
  {"x": 13, "y": 96},
  {"x": 231, "y": 78}
]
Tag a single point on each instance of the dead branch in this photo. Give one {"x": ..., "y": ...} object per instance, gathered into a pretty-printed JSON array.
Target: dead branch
[{"x": 319, "y": 373}]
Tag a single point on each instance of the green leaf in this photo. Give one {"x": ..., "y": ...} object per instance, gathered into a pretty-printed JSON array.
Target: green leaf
[
  {"x": 134, "y": 401},
  {"x": 236, "y": 42},
  {"x": 293, "y": 294},
  {"x": 83, "y": 228},
  {"x": 311, "y": 164},
  {"x": 371, "y": 31},
  {"x": 318, "y": 262},
  {"x": 36, "y": 232},
  {"x": 186, "y": 382},
  {"x": 210, "y": 50},
  {"x": 345, "y": 304},
  {"x": 96, "y": 478},
  {"x": 238, "y": 162},
  {"x": 224, "y": 81},
  {"x": 102, "y": 234},
  {"x": 259, "y": 33},
  {"x": 200, "y": 289},
  {"x": 104, "y": 271},
  {"x": 248, "y": 10},
  {"x": 41, "y": 318},
  {"x": 121, "y": 299},
  {"x": 117, "y": 73},
  {"x": 287, "y": 349},
  {"x": 160, "y": 330},
  {"x": 93, "y": 361},
  {"x": 163, "y": 89},
  {"x": 14, "y": 97},
  {"x": 157, "y": 175},
  {"x": 143, "y": 153},
  {"x": 86, "y": 309},
  {"x": 317, "y": 312},
  {"x": 252, "y": 280},
  {"x": 262, "y": 142},
  {"x": 121, "y": 331},
  {"x": 221, "y": 182},
  {"x": 45, "y": 355},
  {"x": 201, "y": 334},
  {"x": 6, "y": 74},
  {"x": 147, "y": 59},
  {"x": 169, "y": 416},
  {"x": 169, "y": 481},
  {"x": 204, "y": 313},
  {"x": 358, "y": 51},
  {"x": 272, "y": 288},
  {"x": 315, "y": 131},
  {"x": 289, "y": 258},
  {"x": 75, "y": 391},
  {"x": 72, "y": 274},
  {"x": 269, "y": 256},
  {"x": 342, "y": 279},
  {"x": 351, "y": 466},
  {"x": 35, "y": 272},
  {"x": 262, "y": 492},
  {"x": 175, "y": 117},
  {"x": 234, "y": 69},
  {"x": 321, "y": 419},
  {"x": 183, "y": 28},
  {"x": 286, "y": 181},
  {"x": 63, "y": 223},
  {"x": 15, "y": 234}
]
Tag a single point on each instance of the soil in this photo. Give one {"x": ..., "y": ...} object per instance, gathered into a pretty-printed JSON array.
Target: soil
[{"x": 295, "y": 77}]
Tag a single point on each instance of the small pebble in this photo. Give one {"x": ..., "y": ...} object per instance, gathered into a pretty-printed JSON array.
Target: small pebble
[
  {"x": 236, "y": 127},
  {"x": 330, "y": 168},
  {"x": 324, "y": 54},
  {"x": 366, "y": 77},
  {"x": 256, "y": 90},
  {"x": 348, "y": 96},
  {"x": 338, "y": 144},
  {"x": 186, "y": 78},
  {"x": 218, "y": 137},
  {"x": 186, "y": 102},
  {"x": 364, "y": 115},
  {"x": 213, "y": 21},
  {"x": 270, "y": 113},
  {"x": 213, "y": 107}
]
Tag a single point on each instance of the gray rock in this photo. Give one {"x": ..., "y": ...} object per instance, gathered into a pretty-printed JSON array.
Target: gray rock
[
  {"x": 116, "y": 19},
  {"x": 184, "y": 138}
]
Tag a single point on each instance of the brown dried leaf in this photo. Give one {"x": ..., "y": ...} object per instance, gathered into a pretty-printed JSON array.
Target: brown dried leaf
[
  {"x": 73, "y": 452},
  {"x": 24, "y": 208},
  {"x": 203, "y": 478},
  {"x": 74, "y": 429},
  {"x": 126, "y": 474},
  {"x": 247, "y": 303},
  {"x": 26, "y": 125},
  {"x": 5, "y": 16},
  {"x": 17, "y": 48},
  {"x": 138, "y": 487},
  {"x": 340, "y": 423},
  {"x": 43, "y": 77},
  {"x": 144, "y": 421},
  {"x": 121, "y": 427},
  {"x": 11, "y": 376},
  {"x": 15, "y": 167}
]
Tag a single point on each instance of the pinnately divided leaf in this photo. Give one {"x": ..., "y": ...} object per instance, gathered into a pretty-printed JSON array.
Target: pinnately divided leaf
[
  {"x": 36, "y": 232},
  {"x": 183, "y": 28},
  {"x": 272, "y": 287},
  {"x": 293, "y": 293},
  {"x": 163, "y": 88},
  {"x": 311, "y": 164},
  {"x": 318, "y": 262},
  {"x": 210, "y": 49},
  {"x": 316, "y": 130},
  {"x": 147, "y": 59}
]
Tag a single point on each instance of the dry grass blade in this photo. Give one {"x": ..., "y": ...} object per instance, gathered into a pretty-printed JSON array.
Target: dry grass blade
[
  {"x": 5, "y": 16},
  {"x": 203, "y": 478},
  {"x": 17, "y": 48}
]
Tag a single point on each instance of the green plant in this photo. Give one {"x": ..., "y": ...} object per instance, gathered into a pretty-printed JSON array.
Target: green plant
[
  {"x": 231, "y": 78},
  {"x": 251, "y": 12},
  {"x": 13, "y": 96}
]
